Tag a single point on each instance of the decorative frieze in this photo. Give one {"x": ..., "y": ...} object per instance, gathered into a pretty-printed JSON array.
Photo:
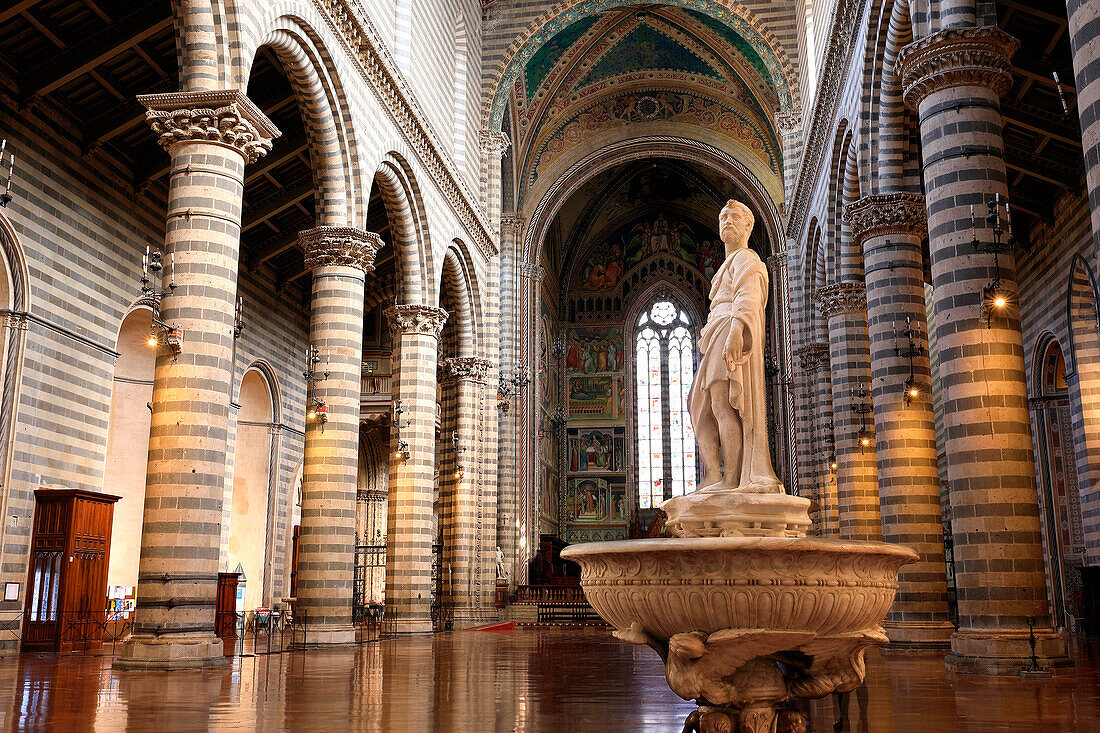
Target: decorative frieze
[
  {"x": 415, "y": 319},
  {"x": 465, "y": 368},
  {"x": 378, "y": 67},
  {"x": 965, "y": 56},
  {"x": 789, "y": 121},
  {"x": 225, "y": 117},
  {"x": 846, "y": 297},
  {"x": 339, "y": 247},
  {"x": 883, "y": 214},
  {"x": 812, "y": 357}
]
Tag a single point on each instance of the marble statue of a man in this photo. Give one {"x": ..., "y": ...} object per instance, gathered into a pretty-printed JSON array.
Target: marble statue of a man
[{"x": 727, "y": 398}]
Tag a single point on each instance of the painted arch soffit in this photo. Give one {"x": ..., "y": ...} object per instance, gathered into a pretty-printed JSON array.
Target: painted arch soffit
[
  {"x": 597, "y": 51},
  {"x": 713, "y": 14}
]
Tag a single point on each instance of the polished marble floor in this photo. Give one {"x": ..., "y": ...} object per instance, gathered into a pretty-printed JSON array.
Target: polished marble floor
[{"x": 478, "y": 681}]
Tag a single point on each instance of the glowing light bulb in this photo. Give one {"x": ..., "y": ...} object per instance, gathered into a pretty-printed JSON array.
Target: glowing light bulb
[
  {"x": 865, "y": 441},
  {"x": 832, "y": 465},
  {"x": 913, "y": 392},
  {"x": 153, "y": 340},
  {"x": 312, "y": 414}
]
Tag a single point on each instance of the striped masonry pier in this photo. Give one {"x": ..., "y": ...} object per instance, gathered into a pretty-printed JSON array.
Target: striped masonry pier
[
  {"x": 954, "y": 79},
  {"x": 210, "y": 136}
]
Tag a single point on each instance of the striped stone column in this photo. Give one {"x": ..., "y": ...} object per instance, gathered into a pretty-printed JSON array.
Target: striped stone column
[
  {"x": 890, "y": 227},
  {"x": 463, "y": 519},
  {"x": 493, "y": 147},
  {"x": 844, "y": 307},
  {"x": 339, "y": 258},
  {"x": 415, "y": 330},
  {"x": 954, "y": 79},
  {"x": 210, "y": 136},
  {"x": 788, "y": 124},
  {"x": 814, "y": 361},
  {"x": 1084, "y": 38}
]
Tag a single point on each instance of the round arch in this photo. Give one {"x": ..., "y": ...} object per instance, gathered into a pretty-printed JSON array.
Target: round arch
[
  {"x": 455, "y": 280},
  {"x": 564, "y": 14},
  {"x": 676, "y": 148},
  {"x": 1082, "y": 317},
  {"x": 405, "y": 211}
]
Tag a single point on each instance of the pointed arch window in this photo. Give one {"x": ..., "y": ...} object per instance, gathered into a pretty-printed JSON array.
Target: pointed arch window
[{"x": 664, "y": 364}]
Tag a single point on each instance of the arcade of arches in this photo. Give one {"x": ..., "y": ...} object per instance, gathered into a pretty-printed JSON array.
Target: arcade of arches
[{"x": 328, "y": 324}]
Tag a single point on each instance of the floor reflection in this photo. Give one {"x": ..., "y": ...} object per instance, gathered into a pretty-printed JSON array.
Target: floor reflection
[{"x": 525, "y": 680}]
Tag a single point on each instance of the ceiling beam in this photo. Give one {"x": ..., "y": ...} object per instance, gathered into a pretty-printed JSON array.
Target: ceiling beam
[
  {"x": 1030, "y": 9},
  {"x": 147, "y": 20},
  {"x": 121, "y": 117},
  {"x": 16, "y": 9},
  {"x": 44, "y": 29},
  {"x": 283, "y": 150},
  {"x": 1041, "y": 121},
  {"x": 275, "y": 203},
  {"x": 270, "y": 249}
]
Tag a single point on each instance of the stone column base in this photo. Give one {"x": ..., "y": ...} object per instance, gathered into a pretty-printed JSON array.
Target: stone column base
[
  {"x": 918, "y": 635},
  {"x": 324, "y": 636},
  {"x": 465, "y": 618},
  {"x": 1004, "y": 652},
  {"x": 408, "y": 626},
  {"x": 190, "y": 651}
]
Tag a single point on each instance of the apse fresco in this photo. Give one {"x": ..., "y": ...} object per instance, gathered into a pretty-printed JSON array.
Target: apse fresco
[
  {"x": 596, "y": 500},
  {"x": 594, "y": 350},
  {"x": 600, "y": 450},
  {"x": 629, "y": 245},
  {"x": 596, "y": 398}
]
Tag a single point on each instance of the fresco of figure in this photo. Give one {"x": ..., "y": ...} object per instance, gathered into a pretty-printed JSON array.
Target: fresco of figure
[{"x": 727, "y": 398}]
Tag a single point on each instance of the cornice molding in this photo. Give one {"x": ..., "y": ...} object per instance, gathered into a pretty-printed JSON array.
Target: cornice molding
[
  {"x": 339, "y": 246},
  {"x": 812, "y": 357},
  {"x": 377, "y": 66},
  {"x": 226, "y": 117},
  {"x": 879, "y": 215},
  {"x": 841, "y": 298},
  {"x": 843, "y": 39},
  {"x": 971, "y": 56},
  {"x": 415, "y": 319}
]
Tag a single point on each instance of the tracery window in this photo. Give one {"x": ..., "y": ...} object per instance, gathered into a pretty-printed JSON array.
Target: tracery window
[{"x": 664, "y": 364}]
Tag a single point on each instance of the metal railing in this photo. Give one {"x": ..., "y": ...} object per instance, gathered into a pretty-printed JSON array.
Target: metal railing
[
  {"x": 79, "y": 633},
  {"x": 550, "y": 594}
]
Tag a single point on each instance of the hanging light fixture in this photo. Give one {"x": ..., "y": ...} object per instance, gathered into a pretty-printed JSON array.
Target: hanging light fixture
[
  {"x": 995, "y": 296},
  {"x": 152, "y": 264},
  {"x": 862, "y": 408},
  {"x": 912, "y": 349}
]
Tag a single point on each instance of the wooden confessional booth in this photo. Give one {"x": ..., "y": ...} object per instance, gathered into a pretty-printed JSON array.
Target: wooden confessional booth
[{"x": 66, "y": 600}]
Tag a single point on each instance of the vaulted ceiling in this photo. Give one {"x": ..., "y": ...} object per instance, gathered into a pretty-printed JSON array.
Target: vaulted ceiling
[{"x": 673, "y": 67}]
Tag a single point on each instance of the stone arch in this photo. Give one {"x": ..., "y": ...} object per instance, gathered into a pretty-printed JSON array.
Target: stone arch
[
  {"x": 127, "y": 449},
  {"x": 894, "y": 125},
  {"x": 835, "y": 187},
  {"x": 15, "y": 297},
  {"x": 455, "y": 280},
  {"x": 677, "y": 148},
  {"x": 327, "y": 120},
  {"x": 849, "y": 253},
  {"x": 1082, "y": 317},
  {"x": 408, "y": 224},
  {"x": 564, "y": 13},
  {"x": 252, "y": 497}
]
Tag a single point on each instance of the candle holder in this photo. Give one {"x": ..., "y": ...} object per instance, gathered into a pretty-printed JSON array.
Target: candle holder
[
  {"x": 152, "y": 265},
  {"x": 457, "y": 450},
  {"x": 238, "y": 319},
  {"x": 910, "y": 351},
  {"x": 318, "y": 409},
  {"x": 862, "y": 408}
]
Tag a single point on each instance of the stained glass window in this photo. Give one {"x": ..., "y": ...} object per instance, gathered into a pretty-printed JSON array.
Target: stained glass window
[{"x": 664, "y": 370}]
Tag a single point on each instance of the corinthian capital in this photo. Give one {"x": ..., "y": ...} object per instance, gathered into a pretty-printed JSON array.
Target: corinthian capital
[
  {"x": 888, "y": 213},
  {"x": 494, "y": 143},
  {"x": 971, "y": 56},
  {"x": 415, "y": 319},
  {"x": 812, "y": 357},
  {"x": 788, "y": 121},
  {"x": 225, "y": 117},
  {"x": 848, "y": 297},
  {"x": 339, "y": 246},
  {"x": 466, "y": 368}
]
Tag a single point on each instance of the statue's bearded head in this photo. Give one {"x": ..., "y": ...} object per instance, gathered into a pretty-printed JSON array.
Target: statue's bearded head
[{"x": 735, "y": 224}]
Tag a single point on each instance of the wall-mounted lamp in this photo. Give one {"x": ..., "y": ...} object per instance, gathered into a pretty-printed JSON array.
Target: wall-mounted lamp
[
  {"x": 832, "y": 460},
  {"x": 238, "y": 318},
  {"x": 6, "y": 197},
  {"x": 862, "y": 408},
  {"x": 456, "y": 449},
  {"x": 152, "y": 264},
  {"x": 912, "y": 349},
  {"x": 402, "y": 453},
  {"x": 995, "y": 296}
]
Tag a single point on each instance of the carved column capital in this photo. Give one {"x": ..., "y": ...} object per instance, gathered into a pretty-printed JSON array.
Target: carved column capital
[
  {"x": 789, "y": 121},
  {"x": 812, "y": 357},
  {"x": 972, "y": 56},
  {"x": 888, "y": 213},
  {"x": 534, "y": 272},
  {"x": 339, "y": 246},
  {"x": 777, "y": 261},
  {"x": 225, "y": 117},
  {"x": 513, "y": 225},
  {"x": 465, "y": 368},
  {"x": 847, "y": 297},
  {"x": 495, "y": 144},
  {"x": 415, "y": 319}
]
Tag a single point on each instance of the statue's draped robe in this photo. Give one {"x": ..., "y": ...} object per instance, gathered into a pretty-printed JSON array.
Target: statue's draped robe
[{"x": 739, "y": 290}]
